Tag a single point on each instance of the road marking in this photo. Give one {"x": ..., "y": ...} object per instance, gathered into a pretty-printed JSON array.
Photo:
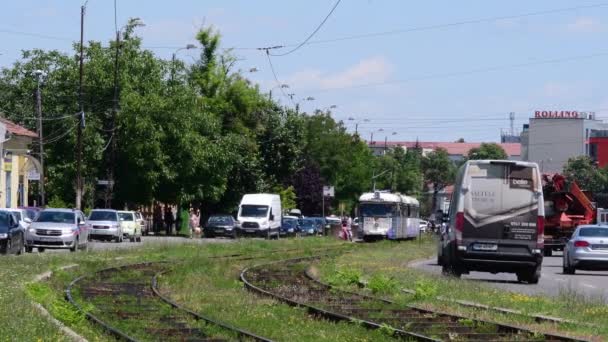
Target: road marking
[
  {"x": 560, "y": 279},
  {"x": 588, "y": 285}
]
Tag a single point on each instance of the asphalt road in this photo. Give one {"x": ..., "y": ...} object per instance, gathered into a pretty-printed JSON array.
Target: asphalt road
[
  {"x": 146, "y": 240},
  {"x": 552, "y": 282}
]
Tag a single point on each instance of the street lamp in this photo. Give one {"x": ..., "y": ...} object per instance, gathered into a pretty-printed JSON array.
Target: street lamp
[
  {"x": 187, "y": 47},
  {"x": 39, "y": 80},
  {"x": 357, "y": 123},
  {"x": 282, "y": 86},
  {"x": 386, "y": 140}
]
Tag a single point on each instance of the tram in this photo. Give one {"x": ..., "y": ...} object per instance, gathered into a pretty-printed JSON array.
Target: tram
[{"x": 388, "y": 215}]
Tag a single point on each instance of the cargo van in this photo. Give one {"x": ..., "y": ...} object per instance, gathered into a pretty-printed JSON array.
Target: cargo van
[
  {"x": 496, "y": 220},
  {"x": 260, "y": 215}
]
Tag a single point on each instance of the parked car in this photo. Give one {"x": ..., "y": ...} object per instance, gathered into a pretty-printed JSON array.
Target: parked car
[
  {"x": 587, "y": 250},
  {"x": 322, "y": 225},
  {"x": 142, "y": 223},
  {"x": 309, "y": 226},
  {"x": 496, "y": 221},
  {"x": 130, "y": 227},
  {"x": 21, "y": 216},
  {"x": 11, "y": 234},
  {"x": 32, "y": 212},
  {"x": 105, "y": 225},
  {"x": 290, "y": 226},
  {"x": 58, "y": 229},
  {"x": 424, "y": 226},
  {"x": 220, "y": 225},
  {"x": 333, "y": 220}
]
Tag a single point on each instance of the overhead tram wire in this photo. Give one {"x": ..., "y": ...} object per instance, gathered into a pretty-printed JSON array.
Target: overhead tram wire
[
  {"x": 452, "y": 24},
  {"x": 312, "y": 34},
  {"x": 275, "y": 75}
]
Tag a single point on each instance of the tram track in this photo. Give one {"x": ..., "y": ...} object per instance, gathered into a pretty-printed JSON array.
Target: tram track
[
  {"x": 289, "y": 281},
  {"x": 127, "y": 303}
]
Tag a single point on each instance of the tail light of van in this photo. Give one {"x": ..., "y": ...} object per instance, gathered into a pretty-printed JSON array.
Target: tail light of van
[
  {"x": 540, "y": 232},
  {"x": 459, "y": 227}
]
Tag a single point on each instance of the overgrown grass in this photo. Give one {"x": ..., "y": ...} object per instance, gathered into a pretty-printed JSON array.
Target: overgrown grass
[
  {"x": 388, "y": 262},
  {"x": 206, "y": 284}
]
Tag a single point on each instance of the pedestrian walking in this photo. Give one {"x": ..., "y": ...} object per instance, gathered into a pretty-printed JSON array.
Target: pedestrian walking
[
  {"x": 194, "y": 223},
  {"x": 169, "y": 220},
  {"x": 157, "y": 219}
]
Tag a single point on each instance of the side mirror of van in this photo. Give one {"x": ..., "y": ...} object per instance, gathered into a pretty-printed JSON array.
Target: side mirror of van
[{"x": 271, "y": 217}]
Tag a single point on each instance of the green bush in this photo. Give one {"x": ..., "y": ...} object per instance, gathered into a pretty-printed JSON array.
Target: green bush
[{"x": 57, "y": 202}]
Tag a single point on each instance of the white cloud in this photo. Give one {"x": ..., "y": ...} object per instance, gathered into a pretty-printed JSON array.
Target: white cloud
[
  {"x": 585, "y": 25},
  {"x": 370, "y": 70}
]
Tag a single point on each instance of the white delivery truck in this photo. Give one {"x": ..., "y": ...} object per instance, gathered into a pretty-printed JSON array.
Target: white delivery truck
[{"x": 260, "y": 215}]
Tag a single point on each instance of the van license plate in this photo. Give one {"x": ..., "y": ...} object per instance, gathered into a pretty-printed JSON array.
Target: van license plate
[
  {"x": 250, "y": 230},
  {"x": 485, "y": 247}
]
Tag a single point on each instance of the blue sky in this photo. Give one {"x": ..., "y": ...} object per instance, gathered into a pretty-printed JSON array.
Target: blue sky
[{"x": 429, "y": 92}]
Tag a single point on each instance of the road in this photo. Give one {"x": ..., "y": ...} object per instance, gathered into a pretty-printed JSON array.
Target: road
[
  {"x": 146, "y": 240},
  {"x": 552, "y": 281}
]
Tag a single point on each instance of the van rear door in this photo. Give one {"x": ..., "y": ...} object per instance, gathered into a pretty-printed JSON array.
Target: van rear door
[{"x": 501, "y": 205}]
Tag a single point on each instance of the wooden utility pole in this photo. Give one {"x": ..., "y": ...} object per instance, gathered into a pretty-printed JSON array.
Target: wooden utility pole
[
  {"x": 79, "y": 183},
  {"x": 113, "y": 134},
  {"x": 39, "y": 75}
]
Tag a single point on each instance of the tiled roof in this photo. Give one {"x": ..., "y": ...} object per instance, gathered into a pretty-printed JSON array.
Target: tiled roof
[
  {"x": 16, "y": 129},
  {"x": 453, "y": 148}
]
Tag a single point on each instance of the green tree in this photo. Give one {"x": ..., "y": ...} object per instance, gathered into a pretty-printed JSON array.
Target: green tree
[
  {"x": 487, "y": 151},
  {"x": 438, "y": 171},
  {"x": 588, "y": 176}
]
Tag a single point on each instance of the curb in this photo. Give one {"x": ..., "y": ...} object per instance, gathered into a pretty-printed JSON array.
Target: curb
[{"x": 71, "y": 334}]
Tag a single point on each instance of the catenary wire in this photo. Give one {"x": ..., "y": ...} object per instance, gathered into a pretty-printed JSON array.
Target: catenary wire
[
  {"x": 297, "y": 47},
  {"x": 279, "y": 84}
]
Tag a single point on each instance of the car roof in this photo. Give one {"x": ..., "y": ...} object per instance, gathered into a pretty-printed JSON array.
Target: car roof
[
  {"x": 126, "y": 212},
  {"x": 61, "y": 210},
  {"x": 111, "y": 210}
]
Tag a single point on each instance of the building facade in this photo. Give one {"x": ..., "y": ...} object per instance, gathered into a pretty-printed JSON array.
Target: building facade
[
  {"x": 551, "y": 140},
  {"x": 17, "y": 166},
  {"x": 457, "y": 151}
]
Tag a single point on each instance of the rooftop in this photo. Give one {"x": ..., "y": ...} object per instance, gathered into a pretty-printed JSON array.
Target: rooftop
[
  {"x": 15, "y": 129},
  {"x": 453, "y": 148}
]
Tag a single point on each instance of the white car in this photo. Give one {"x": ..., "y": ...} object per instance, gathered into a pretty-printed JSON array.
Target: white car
[
  {"x": 424, "y": 226},
  {"x": 22, "y": 217}
]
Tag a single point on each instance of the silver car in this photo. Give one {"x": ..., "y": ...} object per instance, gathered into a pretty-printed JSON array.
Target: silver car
[
  {"x": 587, "y": 249},
  {"x": 58, "y": 229},
  {"x": 105, "y": 225}
]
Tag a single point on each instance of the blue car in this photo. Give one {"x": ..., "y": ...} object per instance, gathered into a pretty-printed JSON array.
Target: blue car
[
  {"x": 289, "y": 226},
  {"x": 310, "y": 226}
]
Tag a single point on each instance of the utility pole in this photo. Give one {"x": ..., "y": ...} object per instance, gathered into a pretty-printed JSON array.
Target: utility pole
[
  {"x": 112, "y": 154},
  {"x": 79, "y": 182},
  {"x": 39, "y": 75}
]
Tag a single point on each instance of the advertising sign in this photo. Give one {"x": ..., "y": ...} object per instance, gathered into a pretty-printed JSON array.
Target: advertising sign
[
  {"x": 562, "y": 114},
  {"x": 328, "y": 191}
]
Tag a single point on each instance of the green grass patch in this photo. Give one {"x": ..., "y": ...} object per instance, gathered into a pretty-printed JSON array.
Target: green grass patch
[{"x": 389, "y": 260}]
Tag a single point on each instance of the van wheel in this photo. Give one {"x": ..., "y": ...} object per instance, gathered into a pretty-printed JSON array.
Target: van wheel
[
  {"x": 40, "y": 250},
  {"x": 450, "y": 270},
  {"x": 530, "y": 276},
  {"x": 548, "y": 252},
  {"x": 28, "y": 249}
]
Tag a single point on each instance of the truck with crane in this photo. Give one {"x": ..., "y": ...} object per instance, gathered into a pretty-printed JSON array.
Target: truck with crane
[{"x": 566, "y": 207}]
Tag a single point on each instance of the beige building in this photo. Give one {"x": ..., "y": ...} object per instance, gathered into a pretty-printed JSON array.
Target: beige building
[{"x": 17, "y": 166}]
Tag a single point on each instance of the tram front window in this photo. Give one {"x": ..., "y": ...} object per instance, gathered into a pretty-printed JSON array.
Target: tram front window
[{"x": 376, "y": 210}]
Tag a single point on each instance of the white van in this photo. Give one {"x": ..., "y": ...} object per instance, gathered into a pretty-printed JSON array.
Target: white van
[
  {"x": 496, "y": 220},
  {"x": 260, "y": 215}
]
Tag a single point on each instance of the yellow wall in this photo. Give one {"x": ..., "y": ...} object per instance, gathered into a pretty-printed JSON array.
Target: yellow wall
[{"x": 17, "y": 166}]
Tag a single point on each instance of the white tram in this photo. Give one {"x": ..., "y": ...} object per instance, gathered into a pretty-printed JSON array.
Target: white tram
[{"x": 388, "y": 215}]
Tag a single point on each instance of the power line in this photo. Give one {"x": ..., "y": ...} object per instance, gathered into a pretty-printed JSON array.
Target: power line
[
  {"x": 279, "y": 84},
  {"x": 466, "y": 72},
  {"x": 312, "y": 34},
  {"x": 453, "y": 24}
]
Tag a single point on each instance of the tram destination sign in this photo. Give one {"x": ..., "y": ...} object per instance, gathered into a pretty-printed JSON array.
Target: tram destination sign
[{"x": 563, "y": 114}]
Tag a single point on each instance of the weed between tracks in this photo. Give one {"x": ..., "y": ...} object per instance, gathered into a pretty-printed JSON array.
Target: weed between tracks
[{"x": 389, "y": 260}]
